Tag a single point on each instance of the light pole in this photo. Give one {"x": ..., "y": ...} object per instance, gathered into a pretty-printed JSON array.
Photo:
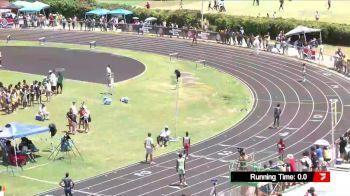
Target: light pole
[
  {"x": 202, "y": 14},
  {"x": 177, "y": 108},
  {"x": 334, "y": 122}
]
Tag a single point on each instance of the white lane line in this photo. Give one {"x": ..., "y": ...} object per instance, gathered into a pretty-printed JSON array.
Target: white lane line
[
  {"x": 314, "y": 120},
  {"x": 174, "y": 187},
  {"x": 260, "y": 137},
  {"x": 88, "y": 193},
  {"x": 39, "y": 180},
  {"x": 292, "y": 128},
  {"x": 224, "y": 145}
]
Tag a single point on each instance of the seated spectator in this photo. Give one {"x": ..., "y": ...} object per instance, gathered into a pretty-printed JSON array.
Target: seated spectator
[
  {"x": 43, "y": 112},
  {"x": 72, "y": 121},
  {"x": 163, "y": 138}
]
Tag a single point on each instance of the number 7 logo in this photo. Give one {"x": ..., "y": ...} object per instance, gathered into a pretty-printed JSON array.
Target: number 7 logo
[{"x": 322, "y": 177}]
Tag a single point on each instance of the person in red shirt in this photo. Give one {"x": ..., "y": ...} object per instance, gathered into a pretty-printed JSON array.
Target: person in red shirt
[
  {"x": 281, "y": 146},
  {"x": 292, "y": 163}
]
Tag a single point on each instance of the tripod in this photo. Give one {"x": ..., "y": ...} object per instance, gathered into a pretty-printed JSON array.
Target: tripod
[{"x": 66, "y": 146}]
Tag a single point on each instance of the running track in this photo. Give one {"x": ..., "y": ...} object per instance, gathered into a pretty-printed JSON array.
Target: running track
[{"x": 272, "y": 79}]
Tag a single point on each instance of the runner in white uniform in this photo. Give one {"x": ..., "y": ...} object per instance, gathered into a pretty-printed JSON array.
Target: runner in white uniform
[{"x": 149, "y": 146}]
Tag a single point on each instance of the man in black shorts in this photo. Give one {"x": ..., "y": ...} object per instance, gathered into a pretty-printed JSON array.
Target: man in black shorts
[
  {"x": 67, "y": 185},
  {"x": 276, "y": 115}
]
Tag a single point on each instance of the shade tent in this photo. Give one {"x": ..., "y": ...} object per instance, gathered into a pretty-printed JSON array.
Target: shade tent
[
  {"x": 97, "y": 12},
  {"x": 30, "y": 9},
  {"x": 121, "y": 12},
  {"x": 302, "y": 30},
  {"x": 14, "y": 131},
  {"x": 17, "y": 130}
]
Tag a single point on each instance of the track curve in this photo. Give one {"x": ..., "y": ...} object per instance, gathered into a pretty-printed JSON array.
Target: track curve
[{"x": 272, "y": 79}]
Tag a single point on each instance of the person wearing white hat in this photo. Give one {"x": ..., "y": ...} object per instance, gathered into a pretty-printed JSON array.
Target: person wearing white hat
[{"x": 163, "y": 137}]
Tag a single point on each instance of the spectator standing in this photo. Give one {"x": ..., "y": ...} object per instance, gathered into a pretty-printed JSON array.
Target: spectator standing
[
  {"x": 72, "y": 121},
  {"x": 64, "y": 21},
  {"x": 342, "y": 146},
  {"x": 321, "y": 51},
  {"x": 281, "y": 146},
  {"x": 53, "y": 81},
  {"x": 87, "y": 119},
  {"x": 317, "y": 16},
  {"x": 149, "y": 146},
  {"x": 67, "y": 184},
  {"x": 281, "y": 5},
  {"x": 69, "y": 23},
  {"x": 60, "y": 83},
  {"x": 319, "y": 154},
  {"x": 314, "y": 159}
]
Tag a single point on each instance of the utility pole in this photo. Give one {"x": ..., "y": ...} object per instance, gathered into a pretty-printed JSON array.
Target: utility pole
[
  {"x": 334, "y": 119},
  {"x": 202, "y": 21}
]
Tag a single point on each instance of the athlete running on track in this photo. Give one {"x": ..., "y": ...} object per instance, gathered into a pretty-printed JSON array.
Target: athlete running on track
[
  {"x": 149, "y": 146},
  {"x": 276, "y": 114},
  {"x": 304, "y": 72},
  {"x": 194, "y": 36}
]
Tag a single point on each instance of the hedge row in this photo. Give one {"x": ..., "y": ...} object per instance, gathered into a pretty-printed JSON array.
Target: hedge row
[{"x": 336, "y": 34}]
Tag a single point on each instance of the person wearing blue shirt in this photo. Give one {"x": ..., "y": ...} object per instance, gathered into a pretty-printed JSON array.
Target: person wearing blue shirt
[{"x": 319, "y": 154}]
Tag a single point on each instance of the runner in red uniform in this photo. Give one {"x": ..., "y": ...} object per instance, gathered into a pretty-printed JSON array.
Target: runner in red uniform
[{"x": 186, "y": 144}]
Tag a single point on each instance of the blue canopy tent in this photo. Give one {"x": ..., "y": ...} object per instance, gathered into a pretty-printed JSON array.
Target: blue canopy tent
[
  {"x": 30, "y": 9},
  {"x": 122, "y": 12},
  {"x": 14, "y": 131},
  {"x": 97, "y": 12}
]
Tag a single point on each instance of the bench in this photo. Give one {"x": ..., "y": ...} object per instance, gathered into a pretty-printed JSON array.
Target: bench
[
  {"x": 203, "y": 62},
  {"x": 92, "y": 44},
  {"x": 8, "y": 38},
  {"x": 42, "y": 40},
  {"x": 172, "y": 55}
]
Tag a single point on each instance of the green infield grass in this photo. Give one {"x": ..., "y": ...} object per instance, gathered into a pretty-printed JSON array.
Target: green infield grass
[
  {"x": 302, "y": 10},
  {"x": 209, "y": 102}
]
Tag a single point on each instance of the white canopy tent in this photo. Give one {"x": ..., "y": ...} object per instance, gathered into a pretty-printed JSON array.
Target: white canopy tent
[{"x": 302, "y": 30}]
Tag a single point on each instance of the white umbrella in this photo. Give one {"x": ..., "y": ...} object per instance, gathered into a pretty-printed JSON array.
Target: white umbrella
[
  {"x": 322, "y": 142},
  {"x": 150, "y": 19},
  {"x": 135, "y": 18}
]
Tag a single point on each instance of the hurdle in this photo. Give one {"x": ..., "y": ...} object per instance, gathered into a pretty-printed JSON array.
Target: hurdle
[
  {"x": 200, "y": 62},
  {"x": 8, "y": 38},
  {"x": 172, "y": 55},
  {"x": 92, "y": 44},
  {"x": 42, "y": 40}
]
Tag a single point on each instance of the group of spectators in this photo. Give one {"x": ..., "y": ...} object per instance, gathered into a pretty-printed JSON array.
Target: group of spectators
[
  {"x": 75, "y": 122},
  {"x": 25, "y": 95}
]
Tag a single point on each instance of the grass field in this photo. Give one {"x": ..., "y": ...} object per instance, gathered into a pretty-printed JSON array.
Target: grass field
[
  {"x": 118, "y": 131},
  {"x": 298, "y": 9}
]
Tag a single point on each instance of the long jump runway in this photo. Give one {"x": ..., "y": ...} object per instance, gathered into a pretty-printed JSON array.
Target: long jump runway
[{"x": 272, "y": 79}]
